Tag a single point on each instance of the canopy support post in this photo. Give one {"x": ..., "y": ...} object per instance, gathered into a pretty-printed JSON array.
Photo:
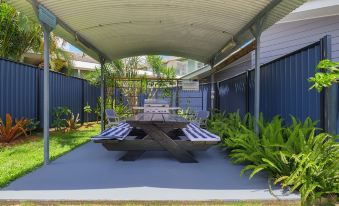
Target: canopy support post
[
  {"x": 212, "y": 85},
  {"x": 256, "y": 31},
  {"x": 102, "y": 91},
  {"x": 330, "y": 93},
  {"x": 47, "y": 31},
  {"x": 212, "y": 92}
]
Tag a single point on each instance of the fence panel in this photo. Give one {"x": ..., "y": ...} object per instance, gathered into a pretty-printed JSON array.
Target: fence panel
[
  {"x": 191, "y": 99},
  {"x": 91, "y": 95},
  {"x": 233, "y": 94},
  {"x": 21, "y": 91},
  {"x": 284, "y": 86},
  {"x": 17, "y": 90}
]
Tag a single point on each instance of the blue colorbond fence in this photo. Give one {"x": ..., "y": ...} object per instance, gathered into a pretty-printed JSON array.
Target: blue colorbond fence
[
  {"x": 233, "y": 94},
  {"x": 21, "y": 91},
  {"x": 284, "y": 88}
]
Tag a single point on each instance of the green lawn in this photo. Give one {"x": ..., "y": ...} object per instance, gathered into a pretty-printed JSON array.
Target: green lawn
[{"x": 17, "y": 160}]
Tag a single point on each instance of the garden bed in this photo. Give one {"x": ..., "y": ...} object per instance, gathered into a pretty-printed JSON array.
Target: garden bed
[{"x": 26, "y": 154}]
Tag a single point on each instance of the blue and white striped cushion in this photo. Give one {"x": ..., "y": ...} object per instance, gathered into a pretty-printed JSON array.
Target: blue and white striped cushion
[
  {"x": 195, "y": 133},
  {"x": 123, "y": 124},
  {"x": 119, "y": 132},
  {"x": 193, "y": 125}
]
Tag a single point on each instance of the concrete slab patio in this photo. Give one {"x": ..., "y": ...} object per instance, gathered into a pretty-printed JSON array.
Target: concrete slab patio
[{"x": 92, "y": 173}]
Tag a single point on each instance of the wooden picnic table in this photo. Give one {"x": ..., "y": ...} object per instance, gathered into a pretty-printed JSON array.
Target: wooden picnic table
[{"x": 157, "y": 128}]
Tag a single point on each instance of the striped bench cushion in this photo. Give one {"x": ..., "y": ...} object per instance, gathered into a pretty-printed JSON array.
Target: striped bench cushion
[
  {"x": 118, "y": 132},
  {"x": 193, "y": 125},
  {"x": 195, "y": 133},
  {"x": 123, "y": 124}
]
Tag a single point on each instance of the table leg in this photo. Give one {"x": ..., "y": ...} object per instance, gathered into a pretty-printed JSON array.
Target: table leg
[
  {"x": 133, "y": 155},
  {"x": 157, "y": 134}
]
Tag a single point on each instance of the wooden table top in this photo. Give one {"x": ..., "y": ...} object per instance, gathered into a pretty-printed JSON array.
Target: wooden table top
[
  {"x": 150, "y": 118},
  {"x": 169, "y": 108}
]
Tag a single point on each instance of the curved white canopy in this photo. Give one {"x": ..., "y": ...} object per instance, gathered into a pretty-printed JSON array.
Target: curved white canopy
[{"x": 197, "y": 29}]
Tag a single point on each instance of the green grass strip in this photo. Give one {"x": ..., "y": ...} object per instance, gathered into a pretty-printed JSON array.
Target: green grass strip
[{"x": 18, "y": 160}]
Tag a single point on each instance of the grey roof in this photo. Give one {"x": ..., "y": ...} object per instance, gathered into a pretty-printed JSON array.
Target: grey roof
[{"x": 197, "y": 29}]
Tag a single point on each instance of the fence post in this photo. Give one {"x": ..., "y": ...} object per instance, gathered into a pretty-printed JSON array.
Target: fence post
[
  {"x": 329, "y": 95},
  {"x": 247, "y": 87}
]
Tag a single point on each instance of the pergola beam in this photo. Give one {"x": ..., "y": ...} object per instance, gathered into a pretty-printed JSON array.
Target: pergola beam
[
  {"x": 70, "y": 30},
  {"x": 246, "y": 29}
]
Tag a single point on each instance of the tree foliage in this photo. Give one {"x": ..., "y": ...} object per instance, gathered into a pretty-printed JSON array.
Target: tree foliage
[
  {"x": 328, "y": 74},
  {"x": 18, "y": 34},
  {"x": 128, "y": 68}
]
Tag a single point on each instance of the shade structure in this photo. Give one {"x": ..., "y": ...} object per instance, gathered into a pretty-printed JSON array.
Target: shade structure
[{"x": 202, "y": 30}]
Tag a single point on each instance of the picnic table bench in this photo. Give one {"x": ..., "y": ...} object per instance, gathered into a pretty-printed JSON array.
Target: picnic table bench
[{"x": 156, "y": 132}]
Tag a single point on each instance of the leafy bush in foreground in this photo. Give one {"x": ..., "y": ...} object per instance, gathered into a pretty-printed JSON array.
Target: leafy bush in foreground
[
  {"x": 10, "y": 131},
  {"x": 292, "y": 155}
]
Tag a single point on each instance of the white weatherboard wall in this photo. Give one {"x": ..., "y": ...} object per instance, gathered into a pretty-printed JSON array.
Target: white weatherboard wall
[{"x": 284, "y": 38}]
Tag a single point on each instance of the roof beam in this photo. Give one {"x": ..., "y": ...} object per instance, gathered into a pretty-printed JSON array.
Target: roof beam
[
  {"x": 236, "y": 56},
  {"x": 69, "y": 29},
  {"x": 220, "y": 54}
]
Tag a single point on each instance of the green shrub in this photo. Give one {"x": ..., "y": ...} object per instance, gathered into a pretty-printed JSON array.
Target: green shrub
[
  {"x": 72, "y": 121},
  {"x": 292, "y": 155},
  {"x": 328, "y": 74},
  {"x": 87, "y": 110},
  {"x": 32, "y": 126},
  {"x": 60, "y": 115},
  {"x": 316, "y": 169}
]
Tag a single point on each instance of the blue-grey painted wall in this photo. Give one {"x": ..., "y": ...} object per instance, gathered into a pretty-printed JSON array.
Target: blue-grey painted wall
[{"x": 21, "y": 91}]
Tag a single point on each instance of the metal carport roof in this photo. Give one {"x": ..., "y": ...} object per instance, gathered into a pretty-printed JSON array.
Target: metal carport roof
[{"x": 196, "y": 29}]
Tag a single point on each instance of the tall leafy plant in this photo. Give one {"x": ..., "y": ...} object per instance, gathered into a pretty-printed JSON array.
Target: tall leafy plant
[
  {"x": 11, "y": 130},
  {"x": 291, "y": 154},
  {"x": 316, "y": 169},
  {"x": 326, "y": 75},
  {"x": 60, "y": 115}
]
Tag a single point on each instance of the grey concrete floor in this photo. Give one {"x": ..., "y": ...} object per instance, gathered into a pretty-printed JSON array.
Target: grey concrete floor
[{"x": 92, "y": 173}]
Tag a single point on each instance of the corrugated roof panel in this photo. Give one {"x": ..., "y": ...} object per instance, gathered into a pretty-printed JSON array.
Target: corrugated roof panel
[{"x": 121, "y": 28}]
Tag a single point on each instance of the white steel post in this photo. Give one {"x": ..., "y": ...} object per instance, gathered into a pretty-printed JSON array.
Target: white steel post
[
  {"x": 47, "y": 31},
  {"x": 212, "y": 92},
  {"x": 257, "y": 78},
  {"x": 102, "y": 83}
]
